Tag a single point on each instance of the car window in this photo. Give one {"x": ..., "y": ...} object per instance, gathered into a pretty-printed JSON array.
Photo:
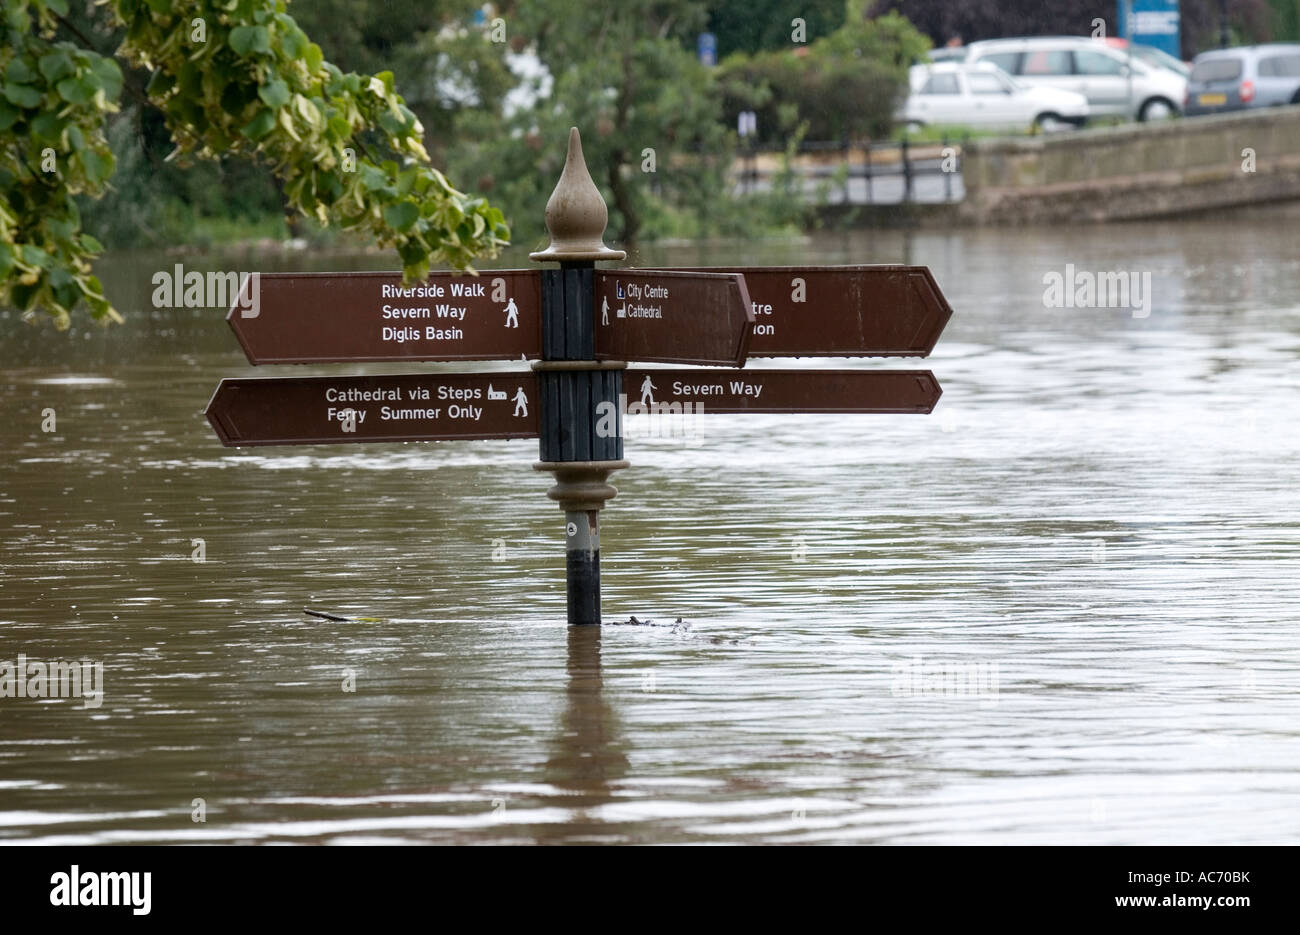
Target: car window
[
  {"x": 941, "y": 84},
  {"x": 985, "y": 83},
  {"x": 1089, "y": 62},
  {"x": 1004, "y": 60},
  {"x": 1280, "y": 66},
  {"x": 1217, "y": 69},
  {"x": 1160, "y": 59},
  {"x": 1045, "y": 62}
]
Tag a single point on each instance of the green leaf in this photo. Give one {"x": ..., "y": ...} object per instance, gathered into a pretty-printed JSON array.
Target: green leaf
[
  {"x": 77, "y": 90},
  {"x": 109, "y": 74},
  {"x": 313, "y": 57},
  {"x": 19, "y": 72},
  {"x": 401, "y": 216},
  {"x": 260, "y": 125},
  {"x": 35, "y": 256},
  {"x": 57, "y": 64},
  {"x": 8, "y": 115},
  {"x": 294, "y": 43},
  {"x": 392, "y": 125},
  {"x": 22, "y": 95},
  {"x": 274, "y": 95},
  {"x": 91, "y": 245},
  {"x": 98, "y": 168},
  {"x": 246, "y": 39},
  {"x": 339, "y": 128}
]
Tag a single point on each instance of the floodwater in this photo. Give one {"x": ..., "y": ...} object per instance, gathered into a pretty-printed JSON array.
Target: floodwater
[{"x": 1062, "y": 608}]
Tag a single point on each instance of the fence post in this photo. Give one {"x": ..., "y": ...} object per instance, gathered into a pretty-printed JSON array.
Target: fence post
[
  {"x": 907, "y": 172},
  {"x": 868, "y": 171},
  {"x": 947, "y": 176}
]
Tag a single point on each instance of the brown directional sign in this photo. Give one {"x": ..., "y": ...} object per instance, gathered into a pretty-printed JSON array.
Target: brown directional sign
[
  {"x": 395, "y": 408},
  {"x": 672, "y": 317},
  {"x": 761, "y": 390},
  {"x": 844, "y": 311},
  {"x": 296, "y": 318}
]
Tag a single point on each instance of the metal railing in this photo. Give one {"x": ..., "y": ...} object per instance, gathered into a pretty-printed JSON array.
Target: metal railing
[{"x": 895, "y": 172}]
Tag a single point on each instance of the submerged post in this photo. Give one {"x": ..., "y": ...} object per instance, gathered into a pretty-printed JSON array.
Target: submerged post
[{"x": 579, "y": 446}]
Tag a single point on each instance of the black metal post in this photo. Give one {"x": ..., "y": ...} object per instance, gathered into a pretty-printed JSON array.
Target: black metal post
[
  {"x": 868, "y": 171},
  {"x": 907, "y": 172},
  {"x": 571, "y": 402}
]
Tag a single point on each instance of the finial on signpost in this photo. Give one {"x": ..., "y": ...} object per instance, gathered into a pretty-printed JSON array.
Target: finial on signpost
[{"x": 576, "y": 214}]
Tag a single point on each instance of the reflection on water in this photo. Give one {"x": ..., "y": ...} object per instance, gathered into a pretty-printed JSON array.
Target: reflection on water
[{"x": 1099, "y": 519}]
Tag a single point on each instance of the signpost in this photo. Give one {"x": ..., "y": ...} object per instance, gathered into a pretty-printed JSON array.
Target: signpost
[
  {"x": 327, "y": 318},
  {"x": 657, "y": 316},
  {"x": 409, "y": 407},
  {"x": 580, "y": 327},
  {"x": 829, "y": 391},
  {"x": 844, "y": 311}
]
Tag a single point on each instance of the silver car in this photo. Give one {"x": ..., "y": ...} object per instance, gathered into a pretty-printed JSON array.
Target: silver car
[
  {"x": 1114, "y": 83},
  {"x": 1244, "y": 77}
]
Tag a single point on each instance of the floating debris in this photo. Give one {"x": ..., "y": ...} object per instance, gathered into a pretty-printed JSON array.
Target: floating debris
[{"x": 324, "y": 616}]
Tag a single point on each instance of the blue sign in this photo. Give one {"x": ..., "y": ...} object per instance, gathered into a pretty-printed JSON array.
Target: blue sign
[
  {"x": 707, "y": 48},
  {"x": 1153, "y": 22}
]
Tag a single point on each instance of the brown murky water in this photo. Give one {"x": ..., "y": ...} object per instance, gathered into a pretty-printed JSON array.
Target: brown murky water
[{"x": 1063, "y": 608}]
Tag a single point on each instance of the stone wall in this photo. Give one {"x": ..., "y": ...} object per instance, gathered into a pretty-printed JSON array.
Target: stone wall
[{"x": 1135, "y": 170}]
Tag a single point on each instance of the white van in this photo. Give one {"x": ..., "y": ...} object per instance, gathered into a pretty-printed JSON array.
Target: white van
[{"x": 1113, "y": 83}]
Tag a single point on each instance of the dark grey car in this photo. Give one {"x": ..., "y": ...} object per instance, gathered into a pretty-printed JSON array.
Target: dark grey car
[{"x": 1244, "y": 77}]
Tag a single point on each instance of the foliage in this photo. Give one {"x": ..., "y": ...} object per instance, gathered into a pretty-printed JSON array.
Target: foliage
[
  {"x": 230, "y": 77},
  {"x": 444, "y": 64},
  {"x": 52, "y": 104},
  {"x": 766, "y": 25},
  {"x": 865, "y": 62},
  {"x": 1285, "y": 20},
  {"x": 626, "y": 76}
]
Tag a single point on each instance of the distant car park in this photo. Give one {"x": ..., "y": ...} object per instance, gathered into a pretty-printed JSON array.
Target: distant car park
[
  {"x": 1115, "y": 83},
  {"x": 1150, "y": 55},
  {"x": 1244, "y": 77},
  {"x": 983, "y": 96}
]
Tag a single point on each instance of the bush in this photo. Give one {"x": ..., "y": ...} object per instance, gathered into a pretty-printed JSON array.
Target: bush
[{"x": 845, "y": 86}]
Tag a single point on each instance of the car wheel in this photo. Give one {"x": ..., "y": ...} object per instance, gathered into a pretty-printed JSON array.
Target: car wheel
[
  {"x": 1157, "y": 109},
  {"x": 1049, "y": 123}
]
